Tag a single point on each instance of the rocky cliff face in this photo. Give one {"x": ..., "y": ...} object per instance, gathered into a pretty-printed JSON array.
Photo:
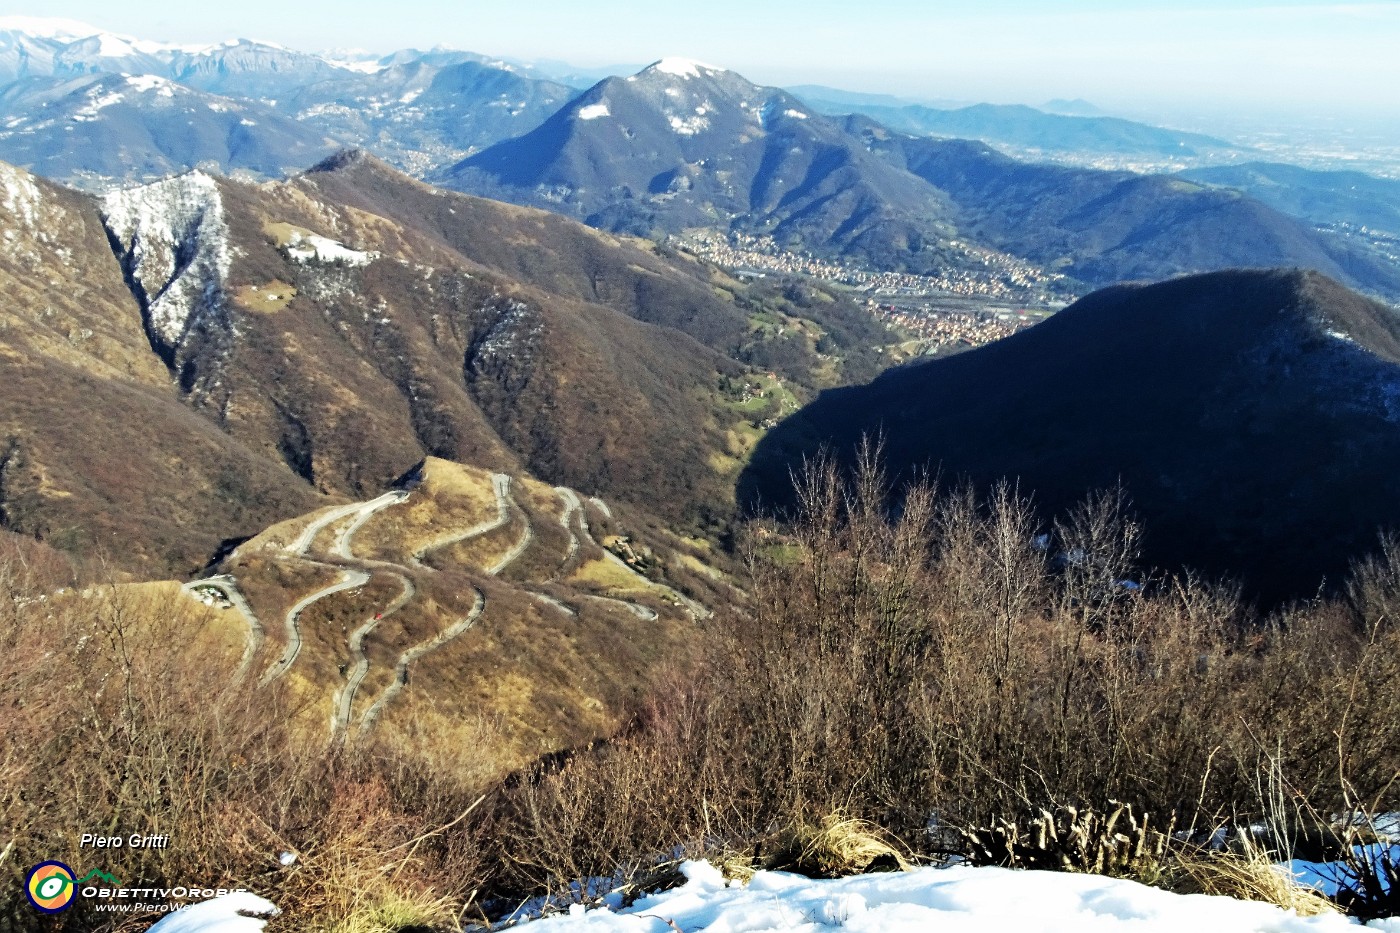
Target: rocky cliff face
[{"x": 173, "y": 246}]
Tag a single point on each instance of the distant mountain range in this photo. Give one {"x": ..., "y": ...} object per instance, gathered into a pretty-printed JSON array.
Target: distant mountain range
[
  {"x": 1072, "y": 108},
  {"x": 428, "y": 111},
  {"x": 1026, "y": 132},
  {"x": 1252, "y": 417},
  {"x": 1104, "y": 227},
  {"x": 420, "y": 109},
  {"x": 681, "y": 145},
  {"x": 93, "y": 128},
  {"x": 822, "y": 97}
]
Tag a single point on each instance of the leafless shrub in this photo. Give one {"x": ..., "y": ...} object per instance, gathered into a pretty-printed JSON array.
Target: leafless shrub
[{"x": 1117, "y": 842}]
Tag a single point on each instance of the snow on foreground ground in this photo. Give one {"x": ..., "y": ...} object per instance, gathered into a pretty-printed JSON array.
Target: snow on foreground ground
[
  {"x": 233, "y": 913},
  {"x": 948, "y": 900}
]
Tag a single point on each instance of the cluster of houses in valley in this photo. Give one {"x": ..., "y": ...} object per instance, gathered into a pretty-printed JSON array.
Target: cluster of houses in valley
[
  {"x": 977, "y": 272},
  {"x": 939, "y": 330}
]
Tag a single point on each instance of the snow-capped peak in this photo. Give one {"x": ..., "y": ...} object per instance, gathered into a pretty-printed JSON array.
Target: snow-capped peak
[
  {"x": 48, "y": 27},
  {"x": 681, "y": 67}
]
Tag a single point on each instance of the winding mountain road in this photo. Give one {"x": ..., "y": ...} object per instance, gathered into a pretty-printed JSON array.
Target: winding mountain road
[
  {"x": 417, "y": 651},
  {"x": 302, "y": 543},
  {"x": 345, "y": 699},
  {"x": 519, "y": 547},
  {"x": 571, "y": 505},
  {"x": 556, "y": 603},
  {"x": 645, "y": 613},
  {"x": 342, "y": 547},
  {"x": 356, "y": 572},
  {"x": 349, "y": 580},
  {"x": 500, "y": 483}
]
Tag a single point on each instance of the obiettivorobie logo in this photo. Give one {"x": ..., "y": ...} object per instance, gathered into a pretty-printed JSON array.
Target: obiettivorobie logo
[{"x": 51, "y": 887}]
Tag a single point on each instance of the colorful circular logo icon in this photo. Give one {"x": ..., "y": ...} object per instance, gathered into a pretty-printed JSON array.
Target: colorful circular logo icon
[{"x": 50, "y": 887}]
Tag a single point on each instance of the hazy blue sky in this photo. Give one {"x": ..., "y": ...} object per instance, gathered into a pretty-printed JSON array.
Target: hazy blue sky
[{"x": 1312, "y": 57}]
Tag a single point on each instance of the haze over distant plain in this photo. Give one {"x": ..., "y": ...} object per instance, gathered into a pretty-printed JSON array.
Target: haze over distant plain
[{"x": 1285, "y": 56}]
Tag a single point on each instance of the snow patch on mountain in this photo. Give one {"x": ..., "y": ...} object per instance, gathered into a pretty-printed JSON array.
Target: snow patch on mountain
[
  {"x": 174, "y": 245},
  {"x": 309, "y": 247},
  {"x": 511, "y": 338},
  {"x": 689, "y": 125},
  {"x": 110, "y": 46},
  {"x": 771, "y": 110},
  {"x": 21, "y": 197},
  {"x": 28, "y": 221},
  {"x": 593, "y": 112},
  {"x": 681, "y": 67},
  {"x": 145, "y": 83},
  {"x": 99, "y": 98},
  {"x": 359, "y": 61}
]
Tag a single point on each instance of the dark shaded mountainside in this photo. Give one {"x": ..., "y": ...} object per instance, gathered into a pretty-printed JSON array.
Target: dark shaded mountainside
[
  {"x": 1251, "y": 416},
  {"x": 1322, "y": 197},
  {"x": 196, "y": 359}
]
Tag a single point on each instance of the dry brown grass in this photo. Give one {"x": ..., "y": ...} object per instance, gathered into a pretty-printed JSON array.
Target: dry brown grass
[
  {"x": 1116, "y": 841},
  {"x": 1248, "y": 875},
  {"x": 276, "y": 537},
  {"x": 941, "y": 664},
  {"x": 360, "y": 872},
  {"x": 545, "y": 557},
  {"x": 482, "y": 552},
  {"x": 549, "y": 681},
  {"x": 273, "y": 586},
  {"x": 608, "y": 576},
  {"x": 105, "y": 741},
  {"x": 877, "y": 672},
  {"x": 835, "y": 847},
  {"x": 265, "y": 299},
  {"x": 546, "y": 680},
  {"x": 452, "y": 497}
]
